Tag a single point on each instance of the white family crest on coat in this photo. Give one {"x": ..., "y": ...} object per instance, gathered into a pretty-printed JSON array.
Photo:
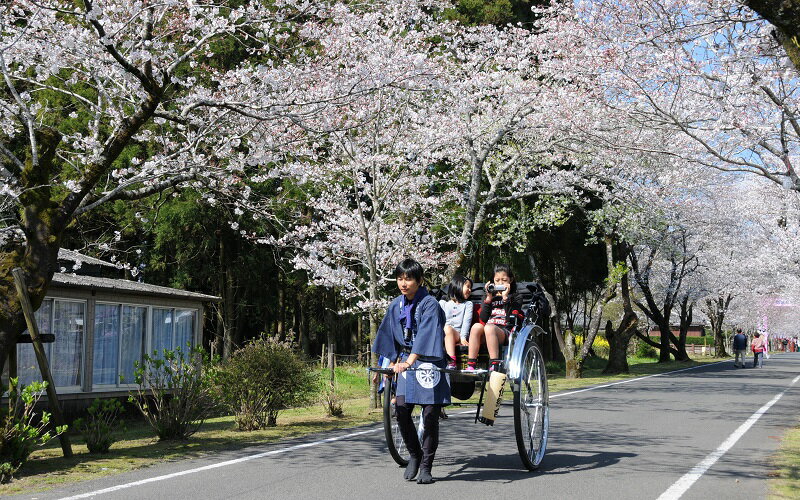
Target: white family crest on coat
[{"x": 427, "y": 376}]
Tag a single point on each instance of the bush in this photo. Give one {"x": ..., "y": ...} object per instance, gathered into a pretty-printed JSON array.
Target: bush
[
  {"x": 645, "y": 350},
  {"x": 20, "y": 431},
  {"x": 176, "y": 391},
  {"x": 554, "y": 367},
  {"x": 332, "y": 402},
  {"x": 263, "y": 378},
  {"x": 98, "y": 425}
]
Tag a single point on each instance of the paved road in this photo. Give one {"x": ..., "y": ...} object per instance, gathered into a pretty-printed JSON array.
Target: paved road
[{"x": 633, "y": 440}]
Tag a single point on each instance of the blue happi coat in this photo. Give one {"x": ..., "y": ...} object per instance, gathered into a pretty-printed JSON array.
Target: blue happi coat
[{"x": 426, "y": 340}]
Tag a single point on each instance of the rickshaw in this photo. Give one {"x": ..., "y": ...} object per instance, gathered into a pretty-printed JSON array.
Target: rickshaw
[{"x": 524, "y": 367}]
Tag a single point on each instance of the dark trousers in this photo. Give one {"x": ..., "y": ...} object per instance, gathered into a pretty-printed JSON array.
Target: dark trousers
[{"x": 430, "y": 434}]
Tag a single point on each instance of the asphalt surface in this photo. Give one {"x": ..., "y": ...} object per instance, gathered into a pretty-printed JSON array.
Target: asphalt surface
[{"x": 632, "y": 440}]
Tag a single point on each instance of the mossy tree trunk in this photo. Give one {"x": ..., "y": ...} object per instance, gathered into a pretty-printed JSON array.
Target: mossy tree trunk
[
  {"x": 619, "y": 339},
  {"x": 785, "y": 16},
  {"x": 716, "y": 309},
  {"x": 45, "y": 213}
]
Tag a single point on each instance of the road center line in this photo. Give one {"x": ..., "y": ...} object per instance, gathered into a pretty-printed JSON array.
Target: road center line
[{"x": 687, "y": 480}]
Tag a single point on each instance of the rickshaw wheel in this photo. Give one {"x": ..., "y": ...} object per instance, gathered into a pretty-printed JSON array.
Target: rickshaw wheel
[
  {"x": 531, "y": 408},
  {"x": 394, "y": 440}
]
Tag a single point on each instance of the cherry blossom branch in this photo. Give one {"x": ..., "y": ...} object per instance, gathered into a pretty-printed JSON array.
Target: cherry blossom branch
[{"x": 119, "y": 192}]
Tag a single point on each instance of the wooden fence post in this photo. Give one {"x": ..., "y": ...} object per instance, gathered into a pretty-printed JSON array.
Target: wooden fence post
[
  {"x": 332, "y": 362},
  {"x": 38, "y": 348}
]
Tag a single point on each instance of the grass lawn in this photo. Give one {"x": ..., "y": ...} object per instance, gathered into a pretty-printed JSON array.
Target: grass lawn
[
  {"x": 138, "y": 447},
  {"x": 785, "y": 481}
]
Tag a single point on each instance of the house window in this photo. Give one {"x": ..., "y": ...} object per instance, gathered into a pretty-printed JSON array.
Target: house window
[
  {"x": 119, "y": 331},
  {"x": 65, "y": 319},
  {"x": 172, "y": 328}
]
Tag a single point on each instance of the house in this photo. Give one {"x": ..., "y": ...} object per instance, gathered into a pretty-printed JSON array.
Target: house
[
  {"x": 104, "y": 325},
  {"x": 694, "y": 330}
]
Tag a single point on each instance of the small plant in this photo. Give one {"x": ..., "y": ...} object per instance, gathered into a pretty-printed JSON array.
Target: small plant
[
  {"x": 554, "y": 367},
  {"x": 263, "y": 378},
  {"x": 332, "y": 402},
  {"x": 98, "y": 425},
  {"x": 22, "y": 427},
  {"x": 645, "y": 350},
  {"x": 176, "y": 391}
]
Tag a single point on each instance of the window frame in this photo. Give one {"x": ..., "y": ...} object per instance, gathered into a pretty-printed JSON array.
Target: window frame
[
  {"x": 147, "y": 326},
  {"x": 48, "y": 347}
]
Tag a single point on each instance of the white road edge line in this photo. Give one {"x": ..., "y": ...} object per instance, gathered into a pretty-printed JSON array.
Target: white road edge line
[
  {"x": 330, "y": 440},
  {"x": 680, "y": 486},
  {"x": 219, "y": 464}
]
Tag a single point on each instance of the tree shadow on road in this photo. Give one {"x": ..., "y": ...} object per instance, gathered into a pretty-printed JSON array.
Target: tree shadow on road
[{"x": 506, "y": 468}]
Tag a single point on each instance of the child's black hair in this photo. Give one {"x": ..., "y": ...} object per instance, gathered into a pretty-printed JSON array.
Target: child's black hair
[
  {"x": 410, "y": 268},
  {"x": 456, "y": 291},
  {"x": 505, "y": 268}
]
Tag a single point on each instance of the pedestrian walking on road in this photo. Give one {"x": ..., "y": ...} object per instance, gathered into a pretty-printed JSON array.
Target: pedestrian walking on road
[
  {"x": 758, "y": 348},
  {"x": 411, "y": 335},
  {"x": 739, "y": 348}
]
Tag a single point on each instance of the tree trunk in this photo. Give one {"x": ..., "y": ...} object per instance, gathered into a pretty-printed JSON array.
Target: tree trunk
[
  {"x": 228, "y": 300},
  {"x": 686, "y": 321},
  {"x": 664, "y": 345},
  {"x": 281, "y": 310},
  {"x": 305, "y": 341},
  {"x": 43, "y": 221},
  {"x": 784, "y": 15},
  {"x": 716, "y": 310},
  {"x": 618, "y": 340},
  {"x": 373, "y": 332}
]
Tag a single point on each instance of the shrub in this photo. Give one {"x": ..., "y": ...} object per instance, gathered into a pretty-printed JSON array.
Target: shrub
[
  {"x": 175, "y": 392},
  {"x": 554, "y": 367},
  {"x": 263, "y": 378},
  {"x": 98, "y": 425},
  {"x": 645, "y": 350},
  {"x": 332, "y": 402},
  {"x": 20, "y": 430}
]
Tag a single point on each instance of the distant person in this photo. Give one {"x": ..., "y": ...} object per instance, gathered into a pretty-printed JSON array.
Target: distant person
[
  {"x": 739, "y": 348},
  {"x": 758, "y": 347}
]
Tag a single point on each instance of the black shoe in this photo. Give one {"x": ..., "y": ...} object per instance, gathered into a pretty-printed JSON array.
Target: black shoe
[
  {"x": 425, "y": 477},
  {"x": 411, "y": 469}
]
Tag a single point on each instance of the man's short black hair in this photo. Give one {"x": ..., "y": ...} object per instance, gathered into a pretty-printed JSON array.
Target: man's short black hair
[
  {"x": 738, "y": 330},
  {"x": 456, "y": 290},
  {"x": 410, "y": 268}
]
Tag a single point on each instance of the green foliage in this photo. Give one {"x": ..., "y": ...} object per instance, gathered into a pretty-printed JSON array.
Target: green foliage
[
  {"x": 263, "y": 378},
  {"x": 620, "y": 269},
  {"x": 176, "y": 391},
  {"x": 333, "y": 403},
  {"x": 98, "y": 425},
  {"x": 644, "y": 350},
  {"x": 518, "y": 219},
  {"x": 553, "y": 367},
  {"x": 22, "y": 427},
  {"x": 497, "y": 12}
]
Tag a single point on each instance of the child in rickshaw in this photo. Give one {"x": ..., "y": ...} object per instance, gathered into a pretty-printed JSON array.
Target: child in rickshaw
[
  {"x": 458, "y": 316},
  {"x": 412, "y": 334},
  {"x": 499, "y": 312}
]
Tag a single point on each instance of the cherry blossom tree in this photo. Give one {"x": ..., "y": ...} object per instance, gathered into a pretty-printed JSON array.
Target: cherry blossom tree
[
  {"x": 709, "y": 75},
  {"x": 119, "y": 100}
]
